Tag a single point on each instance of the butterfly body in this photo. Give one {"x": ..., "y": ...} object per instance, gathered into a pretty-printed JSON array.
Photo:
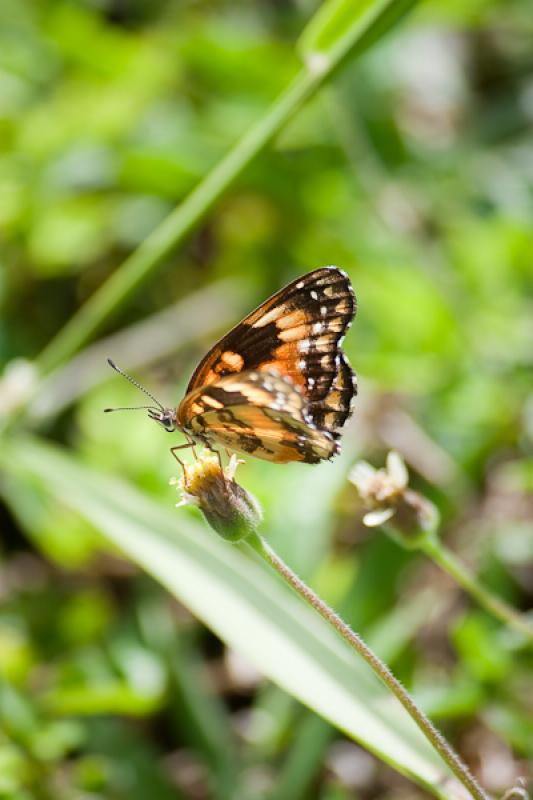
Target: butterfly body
[{"x": 278, "y": 385}]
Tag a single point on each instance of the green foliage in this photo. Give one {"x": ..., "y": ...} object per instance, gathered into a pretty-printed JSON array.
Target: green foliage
[{"x": 410, "y": 167}]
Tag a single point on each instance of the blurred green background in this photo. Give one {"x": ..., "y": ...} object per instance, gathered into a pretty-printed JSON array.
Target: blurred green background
[{"x": 413, "y": 170}]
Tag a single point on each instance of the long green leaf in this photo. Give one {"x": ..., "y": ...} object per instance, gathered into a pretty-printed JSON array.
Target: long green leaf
[{"x": 245, "y": 605}]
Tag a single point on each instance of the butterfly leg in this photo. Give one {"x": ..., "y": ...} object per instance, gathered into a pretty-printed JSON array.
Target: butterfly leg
[
  {"x": 217, "y": 453},
  {"x": 178, "y": 459},
  {"x": 185, "y": 446}
]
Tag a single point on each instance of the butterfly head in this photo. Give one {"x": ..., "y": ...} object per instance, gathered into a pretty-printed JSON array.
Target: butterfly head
[{"x": 166, "y": 417}]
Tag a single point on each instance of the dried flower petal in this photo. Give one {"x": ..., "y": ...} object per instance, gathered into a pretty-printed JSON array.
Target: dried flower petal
[
  {"x": 374, "y": 518},
  {"x": 397, "y": 469},
  {"x": 362, "y": 475}
]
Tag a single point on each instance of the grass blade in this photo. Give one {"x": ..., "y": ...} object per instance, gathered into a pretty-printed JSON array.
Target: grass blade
[
  {"x": 245, "y": 605},
  {"x": 350, "y": 28}
]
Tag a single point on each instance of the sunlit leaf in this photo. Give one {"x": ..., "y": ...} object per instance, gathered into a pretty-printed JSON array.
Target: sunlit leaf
[{"x": 245, "y": 605}]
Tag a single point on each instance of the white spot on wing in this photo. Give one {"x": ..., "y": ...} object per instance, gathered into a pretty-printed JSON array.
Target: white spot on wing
[
  {"x": 303, "y": 346},
  {"x": 300, "y": 285},
  {"x": 323, "y": 310},
  {"x": 314, "y": 295},
  {"x": 291, "y": 334},
  {"x": 270, "y": 316},
  {"x": 317, "y": 327}
]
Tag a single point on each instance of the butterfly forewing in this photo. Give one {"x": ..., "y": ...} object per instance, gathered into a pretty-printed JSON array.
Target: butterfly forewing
[
  {"x": 257, "y": 413},
  {"x": 296, "y": 333}
]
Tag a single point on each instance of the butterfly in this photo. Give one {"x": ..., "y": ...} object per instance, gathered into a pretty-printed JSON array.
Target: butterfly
[{"x": 278, "y": 385}]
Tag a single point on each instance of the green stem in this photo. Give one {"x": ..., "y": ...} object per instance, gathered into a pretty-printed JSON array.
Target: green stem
[
  {"x": 433, "y": 548},
  {"x": 164, "y": 240},
  {"x": 355, "y": 641},
  {"x": 360, "y": 24}
]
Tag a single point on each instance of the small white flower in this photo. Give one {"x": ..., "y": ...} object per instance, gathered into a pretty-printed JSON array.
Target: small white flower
[
  {"x": 380, "y": 488},
  {"x": 386, "y": 494}
]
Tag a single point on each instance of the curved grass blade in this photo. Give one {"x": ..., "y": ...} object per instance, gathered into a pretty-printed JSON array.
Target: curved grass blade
[{"x": 245, "y": 605}]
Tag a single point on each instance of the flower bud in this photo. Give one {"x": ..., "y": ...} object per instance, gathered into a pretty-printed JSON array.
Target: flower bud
[
  {"x": 388, "y": 498},
  {"x": 228, "y": 508}
]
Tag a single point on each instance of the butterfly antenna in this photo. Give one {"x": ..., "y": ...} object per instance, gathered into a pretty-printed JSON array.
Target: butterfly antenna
[
  {"x": 126, "y": 408},
  {"x": 135, "y": 383}
]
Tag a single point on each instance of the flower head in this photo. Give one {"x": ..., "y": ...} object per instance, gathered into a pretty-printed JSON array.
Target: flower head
[
  {"x": 386, "y": 494},
  {"x": 228, "y": 508}
]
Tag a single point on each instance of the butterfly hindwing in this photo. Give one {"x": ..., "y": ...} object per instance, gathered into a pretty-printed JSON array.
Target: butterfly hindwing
[
  {"x": 257, "y": 413},
  {"x": 331, "y": 412},
  {"x": 297, "y": 333}
]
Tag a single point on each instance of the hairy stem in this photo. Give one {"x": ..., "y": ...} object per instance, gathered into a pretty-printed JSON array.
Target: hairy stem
[{"x": 440, "y": 744}]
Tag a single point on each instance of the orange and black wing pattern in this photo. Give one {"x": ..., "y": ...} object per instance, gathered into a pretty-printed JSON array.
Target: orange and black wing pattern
[
  {"x": 256, "y": 413},
  {"x": 296, "y": 334}
]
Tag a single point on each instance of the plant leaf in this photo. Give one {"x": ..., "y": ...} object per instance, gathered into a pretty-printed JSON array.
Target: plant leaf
[
  {"x": 245, "y": 604},
  {"x": 342, "y": 27}
]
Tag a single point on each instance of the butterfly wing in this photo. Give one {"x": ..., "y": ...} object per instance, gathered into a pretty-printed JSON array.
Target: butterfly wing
[
  {"x": 298, "y": 333},
  {"x": 257, "y": 413}
]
